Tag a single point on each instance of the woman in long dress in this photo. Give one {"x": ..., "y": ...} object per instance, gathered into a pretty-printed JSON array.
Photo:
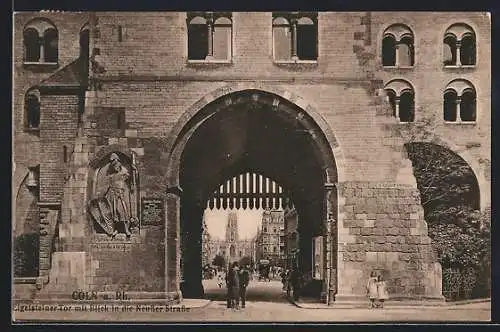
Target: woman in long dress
[
  {"x": 371, "y": 289},
  {"x": 382, "y": 293}
]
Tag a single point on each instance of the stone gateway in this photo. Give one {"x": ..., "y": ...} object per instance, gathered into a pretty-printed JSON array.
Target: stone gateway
[{"x": 125, "y": 125}]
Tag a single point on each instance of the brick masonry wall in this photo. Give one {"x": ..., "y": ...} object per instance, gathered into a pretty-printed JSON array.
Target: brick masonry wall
[
  {"x": 162, "y": 41},
  {"x": 58, "y": 127},
  {"x": 154, "y": 108},
  {"x": 384, "y": 230},
  {"x": 429, "y": 29},
  {"x": 26, "y": 152},
  {"x": 341, "y": 86}
]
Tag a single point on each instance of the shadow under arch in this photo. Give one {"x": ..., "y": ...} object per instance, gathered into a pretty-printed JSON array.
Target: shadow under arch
[
  {"x": 483, "y": 184},
  {"x": 198, "y": 113},
  {"x": 443, "y": 161},
  {"x": 248, "y": 130}
]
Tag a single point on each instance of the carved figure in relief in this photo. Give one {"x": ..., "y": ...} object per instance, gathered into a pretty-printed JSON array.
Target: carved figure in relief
[{"x": 114, "y": 206}]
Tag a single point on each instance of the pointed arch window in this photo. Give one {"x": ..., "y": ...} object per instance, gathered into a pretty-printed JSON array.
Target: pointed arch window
[
  {"x": 459, "y": 46},
  {"x": 398, "y": 46},
  {"x": 459, "y": 102},
  {"x": 32, "y": 110},
  {"x": 401, "y": 97},
  {"x": 209, "y": 36},
  {"x": 41, "y": 42}
]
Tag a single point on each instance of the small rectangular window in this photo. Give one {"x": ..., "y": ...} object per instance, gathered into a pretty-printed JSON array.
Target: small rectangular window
[{"x": 118, "y": 32}]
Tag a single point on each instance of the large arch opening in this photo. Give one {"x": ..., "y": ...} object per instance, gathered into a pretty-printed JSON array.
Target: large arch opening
[
  {"x": 451, "y": 198},
  {"x": 252, "y": 131}
]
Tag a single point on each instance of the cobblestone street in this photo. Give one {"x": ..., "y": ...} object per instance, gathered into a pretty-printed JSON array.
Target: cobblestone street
[{"x": 266, "y": 303}]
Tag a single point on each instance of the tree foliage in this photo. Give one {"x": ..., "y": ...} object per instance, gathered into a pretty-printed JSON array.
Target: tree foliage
[
  {"x": 246, "y": 260},
  {"x": 449, "y": 194},
  {"x": 25, "y": 255},
  {"x": 219, "y": 261}
]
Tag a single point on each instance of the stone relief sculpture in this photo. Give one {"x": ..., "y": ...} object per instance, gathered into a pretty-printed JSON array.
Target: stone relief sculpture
[{"x": 113, "y": 206}]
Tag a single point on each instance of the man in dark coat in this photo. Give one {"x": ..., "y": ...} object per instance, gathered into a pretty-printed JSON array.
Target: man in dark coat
[
  {"x": 295, "y": 281},
  {"x": 233, "y": 286},
  {"x": 244, "y": 280}
]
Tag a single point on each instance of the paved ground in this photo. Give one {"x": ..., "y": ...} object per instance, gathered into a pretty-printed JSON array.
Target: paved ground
[{"x": 267, "y": 303}]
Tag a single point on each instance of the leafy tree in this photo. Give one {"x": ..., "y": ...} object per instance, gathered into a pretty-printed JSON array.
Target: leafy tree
[
  {"x": 449, "y": 194},
  {"x": 219, "y": 261},
  {"x": 25, "y": 255},
  {"x": 245, "y": 260}
]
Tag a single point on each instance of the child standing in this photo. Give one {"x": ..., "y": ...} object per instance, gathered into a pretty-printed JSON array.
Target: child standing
[
  {"x": 382, "y": 291},
  {"x": 371, "y": 289}
]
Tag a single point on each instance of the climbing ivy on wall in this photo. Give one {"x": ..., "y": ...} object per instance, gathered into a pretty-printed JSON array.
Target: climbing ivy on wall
[{"x": 25, "y": 255}]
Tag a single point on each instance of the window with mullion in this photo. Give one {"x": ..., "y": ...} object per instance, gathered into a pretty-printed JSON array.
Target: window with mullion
[
  {"x": 295, "y": 36},
  {"x": 209, "y": 36}
]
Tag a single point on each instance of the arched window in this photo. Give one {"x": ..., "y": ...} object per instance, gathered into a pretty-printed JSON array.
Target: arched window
[
  {"x": 459, "y": 102},
  {"x": 50, "y": 45},
  {"x": 450, "y": 105},
  {"x": 26, "y": 229},
  {"x": 449, "y": 50},
  {"x": 222, "y": 38},
  {"x": 295, "y": 36},
  {"x": 468, "y": 105},
  {"x": 459, "y": 46},
  {"x": 401, "y": 97},
  {"x": 282, "y": 39},
  {"x": 398, "y": 46},
  {"x": 209, "y": 36},
  {"x": 32, "y": 109},
  {"x": 31, "y": 45},
  {"x": 41, "y": 42}
]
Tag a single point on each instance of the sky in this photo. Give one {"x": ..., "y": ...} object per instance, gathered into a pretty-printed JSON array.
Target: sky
[{"x": 248, "y": 222}]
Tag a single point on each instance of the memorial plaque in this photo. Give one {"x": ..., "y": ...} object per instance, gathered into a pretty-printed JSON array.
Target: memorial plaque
[{"x": 153, "y": 211}]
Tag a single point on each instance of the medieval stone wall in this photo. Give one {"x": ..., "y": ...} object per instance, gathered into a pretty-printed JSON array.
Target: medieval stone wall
[{"x": 149, "y": 88}]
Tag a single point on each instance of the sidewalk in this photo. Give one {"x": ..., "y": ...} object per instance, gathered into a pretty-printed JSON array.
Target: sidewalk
[{"x": 486, "y": 303}]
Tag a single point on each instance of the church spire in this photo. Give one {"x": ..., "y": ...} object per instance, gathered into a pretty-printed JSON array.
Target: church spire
[{"x": 232, "y": 227}]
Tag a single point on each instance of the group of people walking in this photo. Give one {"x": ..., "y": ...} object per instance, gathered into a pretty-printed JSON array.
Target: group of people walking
[
  {"x": 292, "y": 281},
  {"x": 376, "y": 290},
  {"x": 237, "y": 280}
]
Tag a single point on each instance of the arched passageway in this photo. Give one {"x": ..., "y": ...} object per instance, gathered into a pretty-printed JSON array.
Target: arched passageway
[{"x": 259, "y": 132}]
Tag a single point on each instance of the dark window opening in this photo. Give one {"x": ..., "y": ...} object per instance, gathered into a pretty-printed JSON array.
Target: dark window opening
[
  {"x": 84, "y": 44},
  {"x": 450, "y": 51},
  {"x": 32, "y": 111},
  {"x": 119, "y": 33},
  {"x": 391, "y": 97},
  {"x": 468, "y": 51},
  {"x": 468, "y": 106},
  {"x": 450, "y": 106},
  {"x": 65, "y": 153},
  {"x": 50, "y": 45},
  {"x": 406, "y": 52},
  {"x": 197, "y": 39},
  {"x": 307, "y": 41},
  {"x": 295, "y": 37},
  {"x": 406, "y": 107},
  {"x": 31, "y": 45},
  {"x": 388, "y": 51}
]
